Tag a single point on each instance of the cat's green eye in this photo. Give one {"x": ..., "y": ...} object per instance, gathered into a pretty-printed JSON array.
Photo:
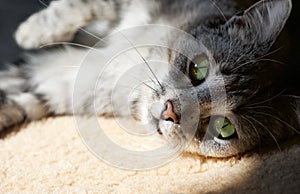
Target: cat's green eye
[
  {"x": 224, "y": 127},
  {"x": 198, "y": 69}
]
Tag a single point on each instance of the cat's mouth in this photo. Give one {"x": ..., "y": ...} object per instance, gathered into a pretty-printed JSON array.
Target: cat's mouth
[
  {"x": 160, "y": 116},
  {"x": 167, "y": 123}
]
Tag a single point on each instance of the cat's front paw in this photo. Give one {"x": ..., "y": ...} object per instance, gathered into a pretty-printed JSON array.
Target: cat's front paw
[
  {"x": 34, "y": 33},
  {"x": 28, "y": 34}
]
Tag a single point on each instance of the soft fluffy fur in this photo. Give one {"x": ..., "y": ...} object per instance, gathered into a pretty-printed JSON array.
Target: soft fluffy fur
[{"x": 237, "y": 42}]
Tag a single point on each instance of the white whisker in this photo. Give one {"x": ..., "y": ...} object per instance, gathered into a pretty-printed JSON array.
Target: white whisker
[
  {"x": 267, "y": 131},
  {"x": 266, "y": 114},
  {"x": 219, "y": 9},
  {"x": 268, "y": 100},
  {"x": 69, "y": 43},
  {"x": 257, "y": 59},
  {"x": 255, "y": 129}
]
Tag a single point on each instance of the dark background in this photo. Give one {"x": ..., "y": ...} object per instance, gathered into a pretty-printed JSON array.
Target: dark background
[{"x": 12, "y": 12}]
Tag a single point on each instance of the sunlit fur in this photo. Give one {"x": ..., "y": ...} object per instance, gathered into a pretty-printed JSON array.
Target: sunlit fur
[{"x": 240, "y": 44}]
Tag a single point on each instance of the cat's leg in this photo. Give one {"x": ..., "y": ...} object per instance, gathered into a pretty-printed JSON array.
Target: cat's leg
[
  {"x": 61, "y": 20},
  {"x": 45, "y": 86},
  {"x": 42, "y": 87},
  {"x": 16, "y": 103}
]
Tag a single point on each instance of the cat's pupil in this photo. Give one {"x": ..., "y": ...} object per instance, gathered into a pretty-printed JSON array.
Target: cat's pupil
[
  {"x": 224, "y": 128},
  {"x": 198, "y": 69}
]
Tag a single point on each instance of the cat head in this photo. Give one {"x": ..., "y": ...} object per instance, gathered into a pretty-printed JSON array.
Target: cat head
[{"x": 244, "y": 109}]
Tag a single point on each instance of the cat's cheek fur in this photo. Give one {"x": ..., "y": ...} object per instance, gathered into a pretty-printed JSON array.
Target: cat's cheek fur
[
  {"x": 218, "y": 148},
  {"x": 143, "y": 112}
]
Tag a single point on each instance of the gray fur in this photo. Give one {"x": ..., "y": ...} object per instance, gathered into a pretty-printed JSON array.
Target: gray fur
[
  {"x": 254, "y": 101},
  {"x": 62, "y": 19}
]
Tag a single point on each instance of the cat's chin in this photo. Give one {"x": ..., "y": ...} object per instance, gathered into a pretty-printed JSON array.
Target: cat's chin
[
  {"x": 169, "y": 130},
  {"x": 172, "y": 133}
]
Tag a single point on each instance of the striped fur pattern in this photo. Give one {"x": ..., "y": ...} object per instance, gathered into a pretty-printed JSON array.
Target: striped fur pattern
[{"x": 237, "y": 39}]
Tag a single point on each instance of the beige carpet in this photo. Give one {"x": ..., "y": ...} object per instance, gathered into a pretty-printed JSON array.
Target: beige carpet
[{"x": 49, "y": 156}]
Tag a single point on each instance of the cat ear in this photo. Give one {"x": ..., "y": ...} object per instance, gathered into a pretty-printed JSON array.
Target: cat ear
[{"x": 261, "y": 23}]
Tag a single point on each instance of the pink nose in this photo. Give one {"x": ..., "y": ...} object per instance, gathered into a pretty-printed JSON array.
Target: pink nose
[{"x": 169, "y": 114}]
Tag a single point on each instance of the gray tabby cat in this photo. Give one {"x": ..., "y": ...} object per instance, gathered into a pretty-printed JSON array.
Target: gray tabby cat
[{"x": 256, "y": 111}]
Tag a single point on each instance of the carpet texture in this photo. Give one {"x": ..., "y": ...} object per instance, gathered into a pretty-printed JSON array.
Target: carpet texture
[{"x": 49, "y": 156}]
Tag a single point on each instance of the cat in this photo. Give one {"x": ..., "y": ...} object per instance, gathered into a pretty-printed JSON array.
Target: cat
[{"x": 249, "y": 107}]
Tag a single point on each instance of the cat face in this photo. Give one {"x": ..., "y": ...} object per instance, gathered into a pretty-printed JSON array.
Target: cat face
[{"x": 232, "y": 82}]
